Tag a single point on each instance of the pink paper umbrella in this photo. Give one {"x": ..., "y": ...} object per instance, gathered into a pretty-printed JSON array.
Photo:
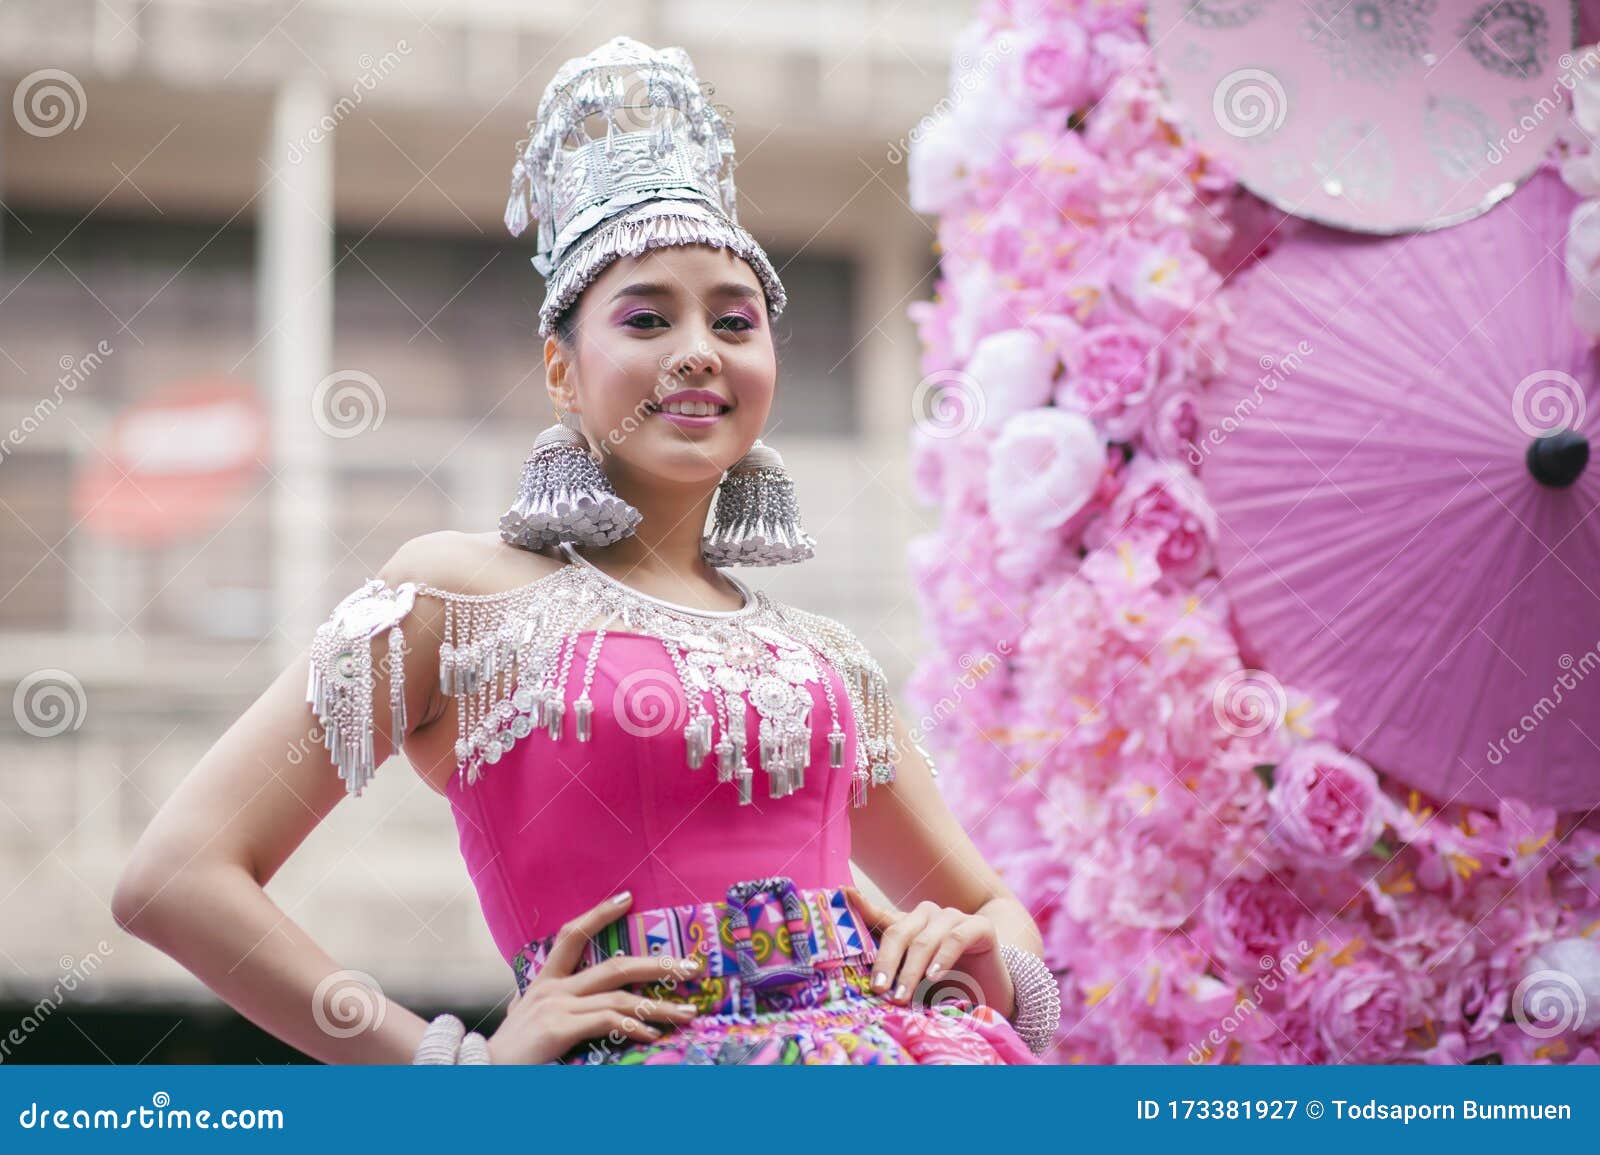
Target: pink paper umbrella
[
  {"x": 1407, "y": 510},
  {"x": 1382, "y": 116}
]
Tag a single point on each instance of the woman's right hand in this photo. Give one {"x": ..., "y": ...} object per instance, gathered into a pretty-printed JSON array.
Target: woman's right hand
[{"x": 560, "y": 1008}]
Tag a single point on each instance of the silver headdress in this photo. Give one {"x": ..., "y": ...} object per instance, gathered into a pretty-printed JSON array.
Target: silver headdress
[{"x": 626, "y": 154}]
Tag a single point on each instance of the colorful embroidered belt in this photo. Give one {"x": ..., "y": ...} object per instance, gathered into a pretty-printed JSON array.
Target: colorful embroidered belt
[{"x": 767, "y": 945}]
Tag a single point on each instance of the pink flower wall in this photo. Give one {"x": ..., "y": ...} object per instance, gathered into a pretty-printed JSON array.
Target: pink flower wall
[{"x": 1215, "y": 880}]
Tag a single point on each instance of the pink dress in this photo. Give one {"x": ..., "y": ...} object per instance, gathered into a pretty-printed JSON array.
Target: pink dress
[{"x": 556, "y": 825}]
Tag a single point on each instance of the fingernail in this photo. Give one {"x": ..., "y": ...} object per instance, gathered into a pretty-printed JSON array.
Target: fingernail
[
  {"x": 880, "y": 980},
  {"x": 900, "y": 991},
  {"x": 622, "y": 898},
  {"x": 933, "y": 969}
]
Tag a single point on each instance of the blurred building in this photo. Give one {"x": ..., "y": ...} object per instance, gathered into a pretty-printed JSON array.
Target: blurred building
[{"x": 271, "y": 194}]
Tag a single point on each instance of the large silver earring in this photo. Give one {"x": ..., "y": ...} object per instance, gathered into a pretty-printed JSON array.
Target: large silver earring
[
  {"x": 564, "y": 495},
  {"x": 756, "y": 520}
]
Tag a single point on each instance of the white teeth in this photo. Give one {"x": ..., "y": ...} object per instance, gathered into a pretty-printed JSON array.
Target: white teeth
[{"x": 691, "y": 408}]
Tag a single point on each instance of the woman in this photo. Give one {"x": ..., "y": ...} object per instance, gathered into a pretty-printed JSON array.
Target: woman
[{"x": 553, "y": 681}]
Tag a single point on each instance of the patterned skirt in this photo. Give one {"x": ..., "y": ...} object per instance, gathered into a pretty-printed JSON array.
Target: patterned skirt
[{"x": 787, "y": 979}]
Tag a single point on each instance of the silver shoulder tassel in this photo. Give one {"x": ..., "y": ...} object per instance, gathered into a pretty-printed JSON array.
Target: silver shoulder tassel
[{"x": 340, "y": 681}]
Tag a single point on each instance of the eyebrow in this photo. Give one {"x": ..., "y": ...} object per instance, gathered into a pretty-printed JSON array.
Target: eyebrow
[{"x": 658, "y": 289}]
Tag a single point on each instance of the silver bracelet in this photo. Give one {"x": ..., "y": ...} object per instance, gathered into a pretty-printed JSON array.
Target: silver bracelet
[
  {"x": 474, "y": 1050},
  {"x": 1037, "y": 1015},
  {"x": 447, "y": 1042}
]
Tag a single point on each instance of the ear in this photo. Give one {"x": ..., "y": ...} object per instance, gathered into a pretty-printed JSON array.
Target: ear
[{"x": 558, "y": 378}]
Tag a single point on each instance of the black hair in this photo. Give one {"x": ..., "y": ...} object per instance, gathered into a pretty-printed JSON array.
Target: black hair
[{"x": 567, "y": 326}]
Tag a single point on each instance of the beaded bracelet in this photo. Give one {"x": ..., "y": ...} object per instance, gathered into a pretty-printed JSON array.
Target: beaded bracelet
[
  {"x": 447, "y": 1042},
  {"x": 1037, "y": 1015}
]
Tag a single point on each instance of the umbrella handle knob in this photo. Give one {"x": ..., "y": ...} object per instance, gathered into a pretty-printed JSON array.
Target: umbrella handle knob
[{"x": 1558, "y": 459}]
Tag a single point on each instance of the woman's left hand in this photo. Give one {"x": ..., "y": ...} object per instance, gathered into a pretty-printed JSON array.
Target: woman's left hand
[{"x": 929, "y": 941}]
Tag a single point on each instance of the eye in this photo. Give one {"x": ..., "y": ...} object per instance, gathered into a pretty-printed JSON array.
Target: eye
[
  {"x": 645, "y": 315},
  {"x": 744, "y": 323}
]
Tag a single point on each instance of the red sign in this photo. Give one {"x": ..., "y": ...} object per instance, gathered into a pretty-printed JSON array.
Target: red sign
[{"x": 177, "y": 463}]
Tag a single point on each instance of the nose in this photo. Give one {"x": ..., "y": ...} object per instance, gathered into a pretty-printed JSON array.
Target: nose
[{"x": 701, "y": 358}]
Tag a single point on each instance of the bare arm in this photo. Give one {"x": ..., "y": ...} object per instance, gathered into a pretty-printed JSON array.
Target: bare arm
[
  {"x": 912, "y": 847},
  {"x": 193, "y": 886}
]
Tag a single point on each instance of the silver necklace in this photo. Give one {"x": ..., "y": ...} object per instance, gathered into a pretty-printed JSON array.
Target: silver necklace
[
  {"x": 507, "y": 658},
  {"x": 744, "y": 591}
]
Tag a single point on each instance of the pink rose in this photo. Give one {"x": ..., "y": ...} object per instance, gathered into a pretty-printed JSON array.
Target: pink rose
[
  {"x": 1362, "y": 1010},
  {"x": 1050, "y": 66},
  {"x": 1327, "y": 804},
  {"x": 1173, "y": 427},
  {"x": 1043, "y": 467},
  {"x": 1253, "y": 921},
  {"x": 1014, "y": 371},
  {"x": 1110, "y": 374},
  {"x": 1162, "y": 501}
]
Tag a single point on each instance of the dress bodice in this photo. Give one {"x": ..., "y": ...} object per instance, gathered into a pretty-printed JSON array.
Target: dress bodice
[
  {"x": 610, "y": 741},
  {"x": 557, "y": 825}
]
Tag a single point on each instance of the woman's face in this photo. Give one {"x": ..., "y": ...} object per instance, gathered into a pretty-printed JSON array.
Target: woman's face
[{"x": 674, "y": 324}]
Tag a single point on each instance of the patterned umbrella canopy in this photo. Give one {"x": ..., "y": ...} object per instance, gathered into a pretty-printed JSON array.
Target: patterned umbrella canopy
[{"x": 1407, "y": 510}]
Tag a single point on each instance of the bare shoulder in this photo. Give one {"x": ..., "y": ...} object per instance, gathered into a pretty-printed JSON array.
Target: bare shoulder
[{"x": 466, "y": 563}]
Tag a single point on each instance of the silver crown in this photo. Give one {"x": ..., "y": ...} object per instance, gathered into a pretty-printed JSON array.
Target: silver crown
[{"x": 626, "y": 154}]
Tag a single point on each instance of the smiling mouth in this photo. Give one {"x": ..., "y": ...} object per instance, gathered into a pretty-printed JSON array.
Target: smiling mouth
[{"x": 689, "y": 409}]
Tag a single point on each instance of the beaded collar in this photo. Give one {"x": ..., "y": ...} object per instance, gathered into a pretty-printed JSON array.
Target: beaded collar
[{"x": 506, "y": 658}]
